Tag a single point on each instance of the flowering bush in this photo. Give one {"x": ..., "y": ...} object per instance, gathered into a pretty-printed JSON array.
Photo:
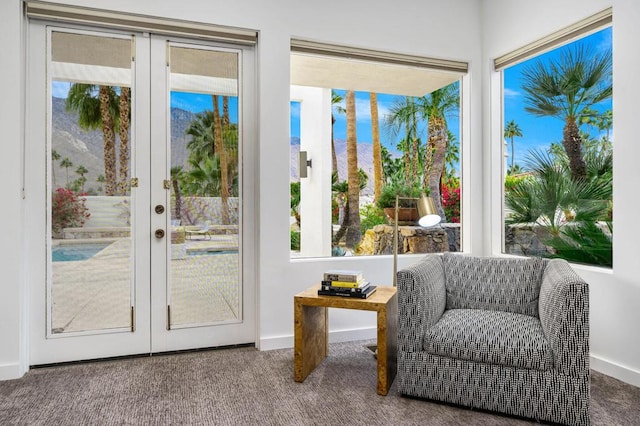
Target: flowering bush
[
  {"x": 451, "y": 200},
  {"x": 67, "y": 210}
]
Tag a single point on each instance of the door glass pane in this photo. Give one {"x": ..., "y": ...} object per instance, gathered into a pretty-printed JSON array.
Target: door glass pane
[
  {"x": 204, "y": 277},
  {"x": 90, "y": 244}
]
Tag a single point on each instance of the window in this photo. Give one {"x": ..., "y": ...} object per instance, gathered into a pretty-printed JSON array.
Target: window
[
  {"x": 367, "y": 126},
  {"x": 558, "y": 148}
]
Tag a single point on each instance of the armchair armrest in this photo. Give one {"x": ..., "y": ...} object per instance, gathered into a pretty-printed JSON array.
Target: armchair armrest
[
  {"x": 421, "y": 301},
  {"x": 564, "y": 314}
]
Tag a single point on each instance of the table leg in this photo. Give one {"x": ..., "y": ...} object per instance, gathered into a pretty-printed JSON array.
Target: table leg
[
  {"x": 310, "y": 343},
  {"x": 387, "y": 345}
]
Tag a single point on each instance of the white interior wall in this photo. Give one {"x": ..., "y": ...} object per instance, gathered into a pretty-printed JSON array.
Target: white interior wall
[
  {"x": 614, "y": 294},
  {"x": 451, "y": 30},
  {"x": 12, "y": 261}
]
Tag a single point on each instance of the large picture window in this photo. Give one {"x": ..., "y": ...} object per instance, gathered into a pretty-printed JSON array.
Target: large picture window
[
  {"x": 558, "y": 151},
  {"x": 364, "y": 128}
]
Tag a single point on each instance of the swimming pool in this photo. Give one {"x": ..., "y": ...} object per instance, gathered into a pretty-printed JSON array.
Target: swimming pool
[{"x": 74, "y": 252}]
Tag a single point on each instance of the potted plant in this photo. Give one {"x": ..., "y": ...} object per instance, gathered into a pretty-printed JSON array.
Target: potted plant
[{"x": 407, "y": 211}]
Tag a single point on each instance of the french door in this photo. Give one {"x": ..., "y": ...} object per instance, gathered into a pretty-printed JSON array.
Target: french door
[{"x": 138, "y": 153}]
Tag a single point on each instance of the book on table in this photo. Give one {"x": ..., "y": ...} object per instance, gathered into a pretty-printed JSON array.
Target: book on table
[
  {"x": 345, "y": 284},
  {"x": 343, "y": 275},
  {"x": 327, "y": 285},
  {"x": 366, "y": 292}
]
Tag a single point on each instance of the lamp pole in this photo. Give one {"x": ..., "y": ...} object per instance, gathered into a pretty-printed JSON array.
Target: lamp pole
[{"x": 428, "y": 218}]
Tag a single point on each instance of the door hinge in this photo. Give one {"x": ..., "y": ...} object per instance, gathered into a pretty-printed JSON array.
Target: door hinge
[
  {"x": 133, "y": 319},
  {"x": 166, "y": 184},
  {"x": 134, "y": 182},
  {"x": 168, "y": 317}
]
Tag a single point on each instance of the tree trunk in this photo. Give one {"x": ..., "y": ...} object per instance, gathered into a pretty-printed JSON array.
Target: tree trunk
[
  {"x": 512, "y": 154},
  {"x": 572, "y": 143},
  {"x": 108, "y": 139},
  {"x": 334, "y": 158},
  {"x": 353, "y": 180},
  {"x": 222, "y": 153},
  {"x": 437, "y": 140},
  {"x": 225, "y": 112},
  {"x": 343, "y": 226},
  {"x": 178, "y": 206},
  {"x": 377, "y": 151},
  {"x": 125, "y": 107}
]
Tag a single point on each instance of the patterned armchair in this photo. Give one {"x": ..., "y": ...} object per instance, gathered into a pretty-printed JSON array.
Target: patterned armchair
[{"x": 507, "y": 335}]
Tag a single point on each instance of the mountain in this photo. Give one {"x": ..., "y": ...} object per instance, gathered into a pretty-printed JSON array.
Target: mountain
[{"x": 85, "y": 147}]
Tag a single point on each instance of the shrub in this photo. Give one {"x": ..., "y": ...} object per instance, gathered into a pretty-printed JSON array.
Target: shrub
[
  {"x": 295, "y": 240},
  {"x": 511, "y": 181},
  {"x": 388, "y": 195},
  {"x": 451, "y": 200},
  {"x": 68, "y": 210},
  {"x": 370, "y": 216}
]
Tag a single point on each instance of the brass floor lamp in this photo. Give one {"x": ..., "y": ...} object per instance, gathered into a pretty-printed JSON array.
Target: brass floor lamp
[{"x": 428, "y": 217}]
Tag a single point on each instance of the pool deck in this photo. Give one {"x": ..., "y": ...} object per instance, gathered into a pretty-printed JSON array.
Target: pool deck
[{"x": 96, "y": 293}]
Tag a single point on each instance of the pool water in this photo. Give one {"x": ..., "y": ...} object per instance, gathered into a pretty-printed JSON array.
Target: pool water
[{"x": 67, "y": 253}]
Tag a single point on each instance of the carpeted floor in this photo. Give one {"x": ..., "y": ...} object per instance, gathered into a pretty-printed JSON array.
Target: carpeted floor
[{"x": 243, "y": 386}]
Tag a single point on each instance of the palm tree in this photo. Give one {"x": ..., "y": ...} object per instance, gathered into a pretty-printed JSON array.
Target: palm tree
[
  {"x": 55, "y": 156},
  {"x": 336, "y": 99},
  {"x": 100, "y": 180},
  {"x": 512, "y": 130},
  {"x": 98, "y": 111},
  {"x": 563, "y": 88},
  {"x": 435, "y": 107},
  {"x": 404, "y": 114},
  {"x": 66, "y": 163},
  {"x": 123, "y": 132},
  {"x": 353, "y": 196},
  {"x": 82, "y": 170},
  {"x": 378, "y": 177},
  {"x": 222, "y": 154},
  {"x": 452, "y": 158},
  {"x": 201, "y": 144},
  {"x": 204, "y": 177}
]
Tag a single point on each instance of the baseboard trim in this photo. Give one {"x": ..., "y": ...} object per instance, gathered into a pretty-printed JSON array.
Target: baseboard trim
[
  {"x": 285, "y": 342},
  {"x": 615, "y": 370},
  {"x": 10, "y": 371}
]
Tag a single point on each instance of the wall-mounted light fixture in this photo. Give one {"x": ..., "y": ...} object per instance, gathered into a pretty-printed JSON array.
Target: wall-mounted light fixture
[{"x": 303, "y": 163}]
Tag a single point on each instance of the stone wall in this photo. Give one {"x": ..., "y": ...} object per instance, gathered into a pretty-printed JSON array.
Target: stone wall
[
  {"x": 412, "y": 239},
  {"x": 526, "y": 240}
]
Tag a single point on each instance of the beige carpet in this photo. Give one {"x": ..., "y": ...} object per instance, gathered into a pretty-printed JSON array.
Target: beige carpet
[{"x": 242, "y": 386}]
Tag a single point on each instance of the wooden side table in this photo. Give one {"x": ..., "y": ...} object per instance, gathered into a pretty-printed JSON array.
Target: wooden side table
[{"x": 311, "y": 331}]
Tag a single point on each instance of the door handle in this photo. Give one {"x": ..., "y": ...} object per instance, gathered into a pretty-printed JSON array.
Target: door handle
[{"x": 159, "y": 233}]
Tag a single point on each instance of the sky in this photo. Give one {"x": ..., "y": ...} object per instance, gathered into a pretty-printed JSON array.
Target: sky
[{"x": 363, "y": 120}]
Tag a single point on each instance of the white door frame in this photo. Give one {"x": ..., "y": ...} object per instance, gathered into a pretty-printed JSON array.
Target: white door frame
[{"x": 45, "y": 349}]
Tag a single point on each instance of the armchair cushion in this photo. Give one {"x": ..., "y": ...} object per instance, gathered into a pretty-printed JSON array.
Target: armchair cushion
[
  {"x": 491, "y": 337},
  {"x": 511, "y": 285}
]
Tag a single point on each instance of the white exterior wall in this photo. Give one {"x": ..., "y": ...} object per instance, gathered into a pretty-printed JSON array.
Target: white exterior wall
[
  {"x": 315, "y": 189},
  {"x": 614, "y": 294}
]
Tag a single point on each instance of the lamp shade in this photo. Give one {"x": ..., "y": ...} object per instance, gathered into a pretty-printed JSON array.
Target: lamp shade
[{"x": 427, "y": 212}]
